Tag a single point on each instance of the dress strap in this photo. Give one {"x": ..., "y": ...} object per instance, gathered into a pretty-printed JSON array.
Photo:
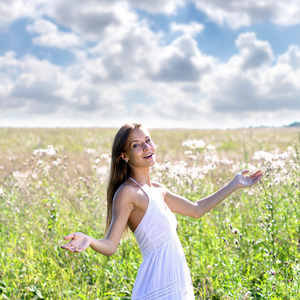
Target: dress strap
[
  {"x": 136, "y": 182},
  {"x": 142, "y": 188}
]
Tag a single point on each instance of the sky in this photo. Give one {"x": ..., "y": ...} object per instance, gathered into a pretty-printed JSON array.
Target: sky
[{"x": 166, "y": 64}]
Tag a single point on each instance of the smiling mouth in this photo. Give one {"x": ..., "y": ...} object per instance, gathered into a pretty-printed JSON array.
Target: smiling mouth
[{"x": 148, "y": 155}]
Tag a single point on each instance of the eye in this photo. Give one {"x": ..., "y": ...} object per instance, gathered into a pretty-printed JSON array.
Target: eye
[
  {"x": 148, "y": 140},
  {"x": 135, "y": 145}
]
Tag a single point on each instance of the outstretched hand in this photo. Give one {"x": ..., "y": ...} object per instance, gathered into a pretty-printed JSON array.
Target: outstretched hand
[
  {"x": 79, "y": 242},
  {"x": 246, "y": 181}
]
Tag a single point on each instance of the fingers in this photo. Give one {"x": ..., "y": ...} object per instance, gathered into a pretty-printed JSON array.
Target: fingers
[
  {"x": 256, "y": 176},
  {"x": 257, "y": 173},
  {"x": 70, "y": 236},
  {"x": 72, "y": 249},
  {"x": 245, "y": 172}
]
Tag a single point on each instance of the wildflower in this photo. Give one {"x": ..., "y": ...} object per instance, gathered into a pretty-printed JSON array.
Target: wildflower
[
  {"x": 236, "y": 241},
  {"x": 210, "y": 147},
  {"x": 241, "y": 236},
  {"x": 51, "y": 151},
  {"x": 276, "y": 181},
  {"x": 225, "y": 241},
  {"x": 212, "y": 166},
  {"x": 90, "y": 151},
  {"x": 194, "y": 144},
  {"x": 235, "y": 230},
  {"x": 272, "y": 272},
  {"x": 230, "y": 226},
  {"x": 105, "y": 156}
]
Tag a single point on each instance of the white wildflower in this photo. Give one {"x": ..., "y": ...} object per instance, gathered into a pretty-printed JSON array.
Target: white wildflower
[
  {"x": 194, "y": 144},
  {"x": 105, "y": 156},
  {"x": 277, "y": 180},
  {"x": 263, "y": 155},
  {"x": 102, "y": 171},
  {"x": 51, "y": 151},
  {"x": 210, "y": 147}
]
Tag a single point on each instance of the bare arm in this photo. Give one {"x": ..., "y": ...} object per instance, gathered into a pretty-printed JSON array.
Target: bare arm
[
  {"x": 122, "y": 208},
  {"x": 183, "y": 206}
]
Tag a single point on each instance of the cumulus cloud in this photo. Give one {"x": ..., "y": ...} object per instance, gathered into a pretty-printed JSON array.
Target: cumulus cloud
[
  {"x": 191, "y": 29},
  {"x": 38, "y": 87},
  {"x": 182, "y": 62},
  {"x": 130, "y": 71},
  {"x": 236, "y": 14},
  {"x": 291, "y": 58},
  {"x": 157, "y": 6},
  {"x": 15, "y": 9},
  {"x": 90, "y": 18},
  {"x": 50, "y": 36},
  {"x": 249, "y": 82},
  {"x": 254, "y": 53}
]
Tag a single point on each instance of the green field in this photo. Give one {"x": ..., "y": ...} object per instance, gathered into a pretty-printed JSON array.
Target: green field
[{"x": 53, "y": 182}]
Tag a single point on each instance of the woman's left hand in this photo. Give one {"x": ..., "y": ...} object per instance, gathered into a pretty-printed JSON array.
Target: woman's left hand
[{"x": 246, "y": 181}]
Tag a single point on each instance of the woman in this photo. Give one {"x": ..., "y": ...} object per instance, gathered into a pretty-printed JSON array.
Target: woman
[{"x": 147, "y": 209}]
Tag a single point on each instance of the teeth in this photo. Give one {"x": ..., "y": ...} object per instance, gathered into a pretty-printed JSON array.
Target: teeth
[{"x": 149, "y": 155}]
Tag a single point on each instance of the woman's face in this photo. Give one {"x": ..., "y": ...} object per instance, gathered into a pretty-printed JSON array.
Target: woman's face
[{"x": 140, "y": 150}]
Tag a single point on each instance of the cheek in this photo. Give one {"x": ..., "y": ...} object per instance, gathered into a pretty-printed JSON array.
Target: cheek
[{"x": 153, "y": 146}]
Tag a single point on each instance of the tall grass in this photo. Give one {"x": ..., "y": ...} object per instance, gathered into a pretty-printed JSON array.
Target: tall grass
[{"x": 246, "y": 248}]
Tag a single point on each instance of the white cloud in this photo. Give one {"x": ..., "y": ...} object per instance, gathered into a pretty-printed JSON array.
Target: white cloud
[
  {"x": 191, "y": 29},
  {"x": 157, "y": 6},
  {"x": 181, "y": 62},
  {"x": 249, "y": 82},
  {"x": 291, "y": 58},
  {"x": 132, "y": 73},
  {"x": 37, "y": 87},
  {"x": 50, "y": 36},
  {"x": 89, "y": 18},
  {"x": 254, "y": 53},
  {"x": 235, "y": 14},
  {"x": 14, "y": 9}
]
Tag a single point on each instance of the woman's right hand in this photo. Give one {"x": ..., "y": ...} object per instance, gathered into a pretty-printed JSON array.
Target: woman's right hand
[{"x": 79, "y": 242}]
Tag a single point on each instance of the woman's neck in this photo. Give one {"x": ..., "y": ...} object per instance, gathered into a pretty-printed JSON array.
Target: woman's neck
[{"x": 140, "y": 176}]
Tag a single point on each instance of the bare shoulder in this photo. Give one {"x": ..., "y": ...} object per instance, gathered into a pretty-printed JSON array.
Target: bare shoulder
[
  {"x": 127, "y": 193},
  {"x": 161, "y": 188}
]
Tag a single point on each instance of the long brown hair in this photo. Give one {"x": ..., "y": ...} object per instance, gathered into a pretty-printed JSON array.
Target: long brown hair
[{"x": 119, "y": 170}]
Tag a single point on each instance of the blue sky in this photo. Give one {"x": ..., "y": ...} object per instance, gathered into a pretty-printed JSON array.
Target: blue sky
[{"x": 176, "y": 63}]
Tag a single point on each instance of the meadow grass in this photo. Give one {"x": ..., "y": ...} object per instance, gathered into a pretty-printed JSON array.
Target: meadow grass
[{"x": 246, "y": 248}]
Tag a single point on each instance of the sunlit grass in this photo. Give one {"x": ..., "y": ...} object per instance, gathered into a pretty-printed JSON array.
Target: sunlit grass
[{"x": 246, "y": 248}]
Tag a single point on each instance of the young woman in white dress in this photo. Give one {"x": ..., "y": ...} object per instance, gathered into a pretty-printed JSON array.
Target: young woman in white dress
[{"x": 147, "y": 209}]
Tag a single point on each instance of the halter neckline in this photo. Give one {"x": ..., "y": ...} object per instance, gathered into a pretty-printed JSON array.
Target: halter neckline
[{"x": 137, "y": 182}]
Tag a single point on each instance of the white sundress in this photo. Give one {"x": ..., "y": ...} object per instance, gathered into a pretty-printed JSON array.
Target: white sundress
[{"x": 164, "y": 273}]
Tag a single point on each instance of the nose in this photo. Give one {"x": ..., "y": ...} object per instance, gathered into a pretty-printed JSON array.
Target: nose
[{"x": 145, "y": 146}]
